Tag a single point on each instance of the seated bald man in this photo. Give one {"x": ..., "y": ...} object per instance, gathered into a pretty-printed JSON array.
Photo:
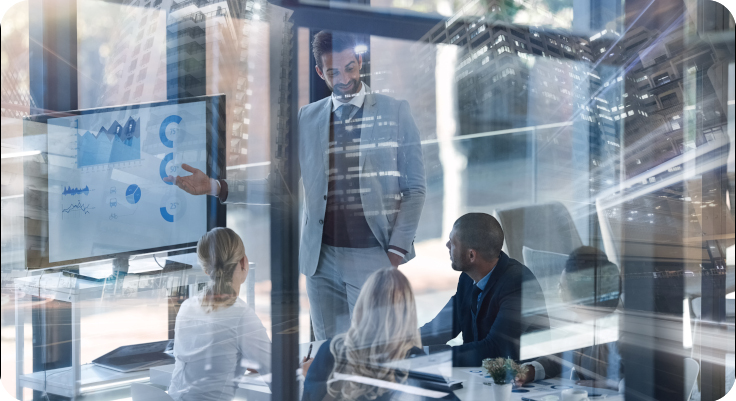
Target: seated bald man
[{"x": 497, "y": 301}]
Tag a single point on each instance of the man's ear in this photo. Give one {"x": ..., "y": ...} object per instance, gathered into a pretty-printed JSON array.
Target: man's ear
[
  {"x": 360, "y": 62},
  {"x": 472, "y": 255},
  {"x": 319, "y": 72}
]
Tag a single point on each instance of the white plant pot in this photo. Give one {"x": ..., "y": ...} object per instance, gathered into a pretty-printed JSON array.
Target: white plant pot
[{"x": 502, "y": 392}]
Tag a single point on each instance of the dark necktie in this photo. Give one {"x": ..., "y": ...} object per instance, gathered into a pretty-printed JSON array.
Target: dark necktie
[
  {"x": 343, "y": 112},
  {"x": 474, "y": 299}
]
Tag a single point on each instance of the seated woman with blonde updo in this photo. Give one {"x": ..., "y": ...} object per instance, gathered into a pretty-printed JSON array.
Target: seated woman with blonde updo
[
  {"x": 217, "y": 336},
  {"x": 360, "y": 364}
]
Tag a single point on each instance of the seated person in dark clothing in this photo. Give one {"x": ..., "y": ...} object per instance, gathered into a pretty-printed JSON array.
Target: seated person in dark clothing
[
  {"x": 361, "y": 364},
  {"x": 590, "y": 286},
  {"x": 498, "y": 299}
]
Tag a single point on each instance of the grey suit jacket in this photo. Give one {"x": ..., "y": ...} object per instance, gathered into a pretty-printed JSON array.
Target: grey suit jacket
[{"x": 391, "y": 172}]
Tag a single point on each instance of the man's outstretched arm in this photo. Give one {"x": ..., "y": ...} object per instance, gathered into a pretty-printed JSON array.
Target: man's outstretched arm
[
  {"x": 198, "y": 183},
  {"x": 228, "y": 191}
]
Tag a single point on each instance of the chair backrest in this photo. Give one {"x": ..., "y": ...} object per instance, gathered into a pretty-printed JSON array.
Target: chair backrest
[
  {"x": 692, "y": 368},
  {"x": 543, "y": 227},
  {"x": 144, "y": 392}
]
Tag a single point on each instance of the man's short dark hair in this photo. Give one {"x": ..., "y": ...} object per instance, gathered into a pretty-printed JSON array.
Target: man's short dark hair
[
  {"x": 329, "y": 42},
  {"x": 481, "y": 232}
]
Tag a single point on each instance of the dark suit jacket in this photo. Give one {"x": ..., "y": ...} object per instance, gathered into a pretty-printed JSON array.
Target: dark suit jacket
[{"x": 512, "y": 304}]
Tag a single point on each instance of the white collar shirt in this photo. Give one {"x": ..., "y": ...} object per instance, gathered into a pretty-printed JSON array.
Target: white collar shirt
[{"x": 356, "y": 101}]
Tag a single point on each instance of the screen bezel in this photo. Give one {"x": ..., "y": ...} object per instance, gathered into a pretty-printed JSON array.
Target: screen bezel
[{"x": 35, "y": 174}]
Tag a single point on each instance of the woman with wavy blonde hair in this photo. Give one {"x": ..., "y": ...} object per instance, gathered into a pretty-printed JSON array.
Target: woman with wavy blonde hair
[
  {"x": 353, "y": 365},
  {"x": 218, "y": 336}
]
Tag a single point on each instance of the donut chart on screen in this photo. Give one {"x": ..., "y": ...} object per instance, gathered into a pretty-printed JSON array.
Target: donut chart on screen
[
  {"x": 173, "y": 207},
  {"x": 165, "y": 169},
  {"x": 167, "y": 137}
]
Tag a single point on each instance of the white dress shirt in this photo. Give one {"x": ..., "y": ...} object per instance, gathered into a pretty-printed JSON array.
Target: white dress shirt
[
  {"x": 356, "y": 101},
  {"x": 213, "y": 348}
]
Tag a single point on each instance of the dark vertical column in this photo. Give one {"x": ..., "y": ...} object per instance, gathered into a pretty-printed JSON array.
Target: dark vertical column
[
  {"x": 637, "y": 352},
  {"x": 713, "y": 309},
  {"x": 53, "y": 86},
  {"x": 713, "y": 18},
  {"x": 284, "y": 200},
  {"x": 53, "y": 54},
  {"x": 186, "y": 61}
]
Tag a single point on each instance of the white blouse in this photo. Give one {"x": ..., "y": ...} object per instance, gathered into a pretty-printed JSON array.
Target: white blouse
[{"x": 213, "y": 348}]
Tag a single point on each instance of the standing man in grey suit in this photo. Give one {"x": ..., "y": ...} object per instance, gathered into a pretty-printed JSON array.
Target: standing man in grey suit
[{"x": 363, "y": 179}]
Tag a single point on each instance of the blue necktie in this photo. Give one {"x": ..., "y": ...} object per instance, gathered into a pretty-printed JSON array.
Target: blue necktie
[
  {"x": 474, "y": 299},
  {"x": 343, "y": 112}
]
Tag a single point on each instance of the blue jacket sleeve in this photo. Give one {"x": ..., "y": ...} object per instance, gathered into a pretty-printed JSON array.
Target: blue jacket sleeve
[{"x": 315, "y": 384}]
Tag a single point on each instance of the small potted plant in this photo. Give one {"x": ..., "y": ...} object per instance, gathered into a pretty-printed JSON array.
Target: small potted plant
[{"x": 502, "y": 372}]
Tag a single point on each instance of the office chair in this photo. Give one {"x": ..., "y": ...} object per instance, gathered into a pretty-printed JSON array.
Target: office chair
[{"x": 544, "y": 227}]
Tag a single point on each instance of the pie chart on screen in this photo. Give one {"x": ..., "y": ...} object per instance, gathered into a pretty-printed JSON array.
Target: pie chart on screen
[{"x": 133, "y": 194}]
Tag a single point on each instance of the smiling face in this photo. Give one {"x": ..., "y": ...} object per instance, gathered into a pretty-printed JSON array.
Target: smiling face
[{"x": 341, "y": 72}]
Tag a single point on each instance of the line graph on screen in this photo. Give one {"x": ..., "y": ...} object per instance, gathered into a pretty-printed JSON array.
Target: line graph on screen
[{"x": 76, "y": 209}]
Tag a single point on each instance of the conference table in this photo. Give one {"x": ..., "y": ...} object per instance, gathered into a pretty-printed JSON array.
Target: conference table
[{"x": 474, "y": 387}]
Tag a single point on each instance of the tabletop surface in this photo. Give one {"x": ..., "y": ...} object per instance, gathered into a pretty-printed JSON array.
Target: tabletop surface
[
  {"x": 473, "y": 379},
  {"x": 474, "y": 388}
]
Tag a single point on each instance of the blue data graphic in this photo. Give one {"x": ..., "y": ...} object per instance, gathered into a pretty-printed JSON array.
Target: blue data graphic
[
  {"x": 168, "y": 139},
  {"x": 163, "y": 168},
  {"x": 106, "y": 193},
  {"x": 173, "y": 207},
  {"x": 77, "y": 207},
  {"x": 166, "y": 215},
  {"x": 133, "y": 194},
  {"x": 117, "y": 143},
  {"x": 76, "y": 191}
]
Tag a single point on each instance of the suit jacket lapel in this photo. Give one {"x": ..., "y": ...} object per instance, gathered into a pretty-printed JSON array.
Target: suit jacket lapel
[
  {"x": 324, "y": 132},
  {"x": 496, "y": 275},
  {"x": 369, "y": 121}
]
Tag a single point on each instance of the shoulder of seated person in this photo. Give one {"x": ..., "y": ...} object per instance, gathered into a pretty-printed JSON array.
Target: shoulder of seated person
[
  {"x": 415, "y": 352},
  {"x": 465, "y": 279}
]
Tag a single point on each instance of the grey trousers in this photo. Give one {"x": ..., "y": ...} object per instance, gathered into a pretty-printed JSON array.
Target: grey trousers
[{"x": 334, "y": 287}]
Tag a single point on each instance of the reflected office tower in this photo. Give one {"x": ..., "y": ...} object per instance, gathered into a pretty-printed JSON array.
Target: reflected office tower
[
  {"x": 168, "y": 49},
  {"x": 135, "y": 71},
  {"x": 523, "y": 92},
  {"x": 17, "y": 100},
  {"x": 657, "y": 70},
  {"x": 207, "y": 49}
]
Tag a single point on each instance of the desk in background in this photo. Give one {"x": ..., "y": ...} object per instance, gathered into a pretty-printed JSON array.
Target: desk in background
[
  {"x": 84, "y": 379},
  {"x": 251, "y": 387}
]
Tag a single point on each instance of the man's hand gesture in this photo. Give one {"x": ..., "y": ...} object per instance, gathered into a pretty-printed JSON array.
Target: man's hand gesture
[{"x": 196, "y": 184}]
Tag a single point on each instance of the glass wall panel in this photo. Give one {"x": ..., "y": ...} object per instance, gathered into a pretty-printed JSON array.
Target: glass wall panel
[{"x": 527, "y": 200}]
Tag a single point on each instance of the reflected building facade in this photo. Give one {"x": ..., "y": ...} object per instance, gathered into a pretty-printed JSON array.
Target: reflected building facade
[
  {"x": 533, "y": 103},
  {"x": 184, "y": 49}
]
